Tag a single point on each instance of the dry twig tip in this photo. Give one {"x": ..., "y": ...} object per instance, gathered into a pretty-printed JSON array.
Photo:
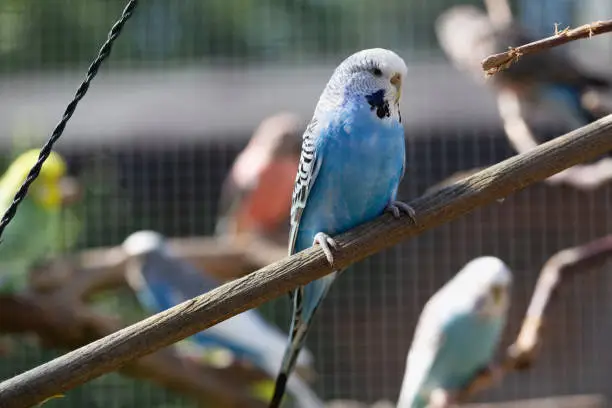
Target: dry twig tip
[{"x": 497, "y": 62}]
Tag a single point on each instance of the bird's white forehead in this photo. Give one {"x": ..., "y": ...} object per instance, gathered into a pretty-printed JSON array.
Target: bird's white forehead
[
  {"x": 486, "y": 271},
  {"x": 141, "y": 242},
  {"x": 386, "y": 60}
]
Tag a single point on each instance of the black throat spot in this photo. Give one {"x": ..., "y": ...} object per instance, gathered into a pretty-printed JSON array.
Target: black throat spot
[{"x": 377, "y": 101}]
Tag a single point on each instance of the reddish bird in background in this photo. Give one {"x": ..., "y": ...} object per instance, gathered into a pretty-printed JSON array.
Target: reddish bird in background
[{"x": 256, "y": 195}]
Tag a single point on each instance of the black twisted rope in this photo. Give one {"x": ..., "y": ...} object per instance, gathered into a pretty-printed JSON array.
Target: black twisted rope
[{"x": 45, "y": 151}]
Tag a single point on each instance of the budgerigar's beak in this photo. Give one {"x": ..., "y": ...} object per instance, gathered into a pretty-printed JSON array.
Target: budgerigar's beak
[
  {"x": 70, "y": 190},
  {"x": 497, "y": 292},
  {"x": 396, "y": 81}
]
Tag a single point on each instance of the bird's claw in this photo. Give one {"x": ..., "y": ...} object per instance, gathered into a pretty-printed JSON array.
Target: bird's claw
[
  {"x": 486, "y": 377},
  {"x": 394, "y": 207},
  {"x": 325, "y": 241},
  {"x": 491, "y": 373},
  {"x": 440, "y": 398}
]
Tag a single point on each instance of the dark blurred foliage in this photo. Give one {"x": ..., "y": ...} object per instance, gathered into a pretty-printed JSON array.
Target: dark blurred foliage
[{"x": 52, "y": 33}]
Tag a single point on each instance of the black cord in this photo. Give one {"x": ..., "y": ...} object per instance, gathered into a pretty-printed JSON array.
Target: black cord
[{"x": 45, "y": 151}]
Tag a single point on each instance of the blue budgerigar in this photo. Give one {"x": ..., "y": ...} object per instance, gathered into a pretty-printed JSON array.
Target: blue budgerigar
[
  {"x": 457, "y": 334},
  {"x": 161, "y": 281},
  {"x": 352, "y": 161}
]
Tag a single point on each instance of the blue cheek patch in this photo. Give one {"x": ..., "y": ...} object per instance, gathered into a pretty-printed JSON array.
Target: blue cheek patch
[
  {"x": 376, "y": 99},
  {"x": 377, "y": 102}
]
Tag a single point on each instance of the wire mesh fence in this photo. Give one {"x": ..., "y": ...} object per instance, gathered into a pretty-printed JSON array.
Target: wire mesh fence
[{"x": 185, "y": 88}]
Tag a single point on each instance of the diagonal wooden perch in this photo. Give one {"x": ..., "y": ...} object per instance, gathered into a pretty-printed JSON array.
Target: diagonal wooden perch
[
  {"x": 190, "y": 317},
  {"x": 584, "y": 177},
  {"x": 497, "y": 62},
  {"x": 61, "y": 327},
  {"x": 557, "y": 401},
  {"x": 56, "y": 312},
  {"x": 521, "y": 354},
  {"x": 519, "y": 133}
]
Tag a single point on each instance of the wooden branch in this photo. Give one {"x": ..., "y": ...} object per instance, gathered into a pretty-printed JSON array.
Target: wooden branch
[
  {"x": 59, "y": 326},
  {"x": 585, "y": 176},
  {"x": 103, "y": 268},
  {"x": 562, "y": 401},
  {"x": 262, "y": 251},
  {"x": 357, "y": 404},
  {"x": 192, "y": 316},
  {"x": 497, "y": 62},
  {"x": 579, "y": 259},
  {"x": 226, "y": 261},
  {"x": 518, "y": 132},
  {"x": 581, "y": 176},
  {"x": 453, "y": 179},
  {"x": 521, "y": 354},
  {"x": 55, "y": 311}
]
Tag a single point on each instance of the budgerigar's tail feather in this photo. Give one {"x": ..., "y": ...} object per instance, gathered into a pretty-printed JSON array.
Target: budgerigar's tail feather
[
  {"x": 298, "y": 337},
  {"x": 279, "y": 390},
  {"x": 299, "y": 330}
]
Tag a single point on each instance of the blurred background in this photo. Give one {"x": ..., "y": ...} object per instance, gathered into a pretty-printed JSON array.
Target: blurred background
[{"x": 186, "y": 86}]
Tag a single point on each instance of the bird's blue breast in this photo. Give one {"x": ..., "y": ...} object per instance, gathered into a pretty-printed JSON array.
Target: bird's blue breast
[
  {"x": 469, "y": 343},
  {"x": 362, "y": 161}
]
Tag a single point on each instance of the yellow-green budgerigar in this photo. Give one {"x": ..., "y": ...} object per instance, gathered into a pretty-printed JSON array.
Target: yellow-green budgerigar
[{"x": 39, "y": 229}]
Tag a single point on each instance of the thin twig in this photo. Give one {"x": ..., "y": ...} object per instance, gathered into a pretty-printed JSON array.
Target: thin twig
[
  {"x": 45, "y": 151},
  {"x": 239, "y": 295},
  {"x": 503, "y": 60},
  {"x": 522, "y": 353}
]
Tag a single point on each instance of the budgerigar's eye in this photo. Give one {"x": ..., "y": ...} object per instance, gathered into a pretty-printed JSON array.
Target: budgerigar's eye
[{"x": 377, "y": 72}]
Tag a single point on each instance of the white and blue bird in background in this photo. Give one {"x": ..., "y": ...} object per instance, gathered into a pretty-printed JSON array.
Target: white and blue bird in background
[
  {"x": 161, "y": 281},
  {"x": 549, "y": 78},
  {"x": 352, "y": 162},
  {"x": 457, "y": 334}
]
